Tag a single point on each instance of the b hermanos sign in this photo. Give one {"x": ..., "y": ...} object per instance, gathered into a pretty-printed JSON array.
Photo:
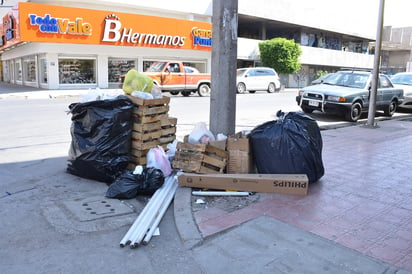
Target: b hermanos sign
[{"x": 57, "y": 24}]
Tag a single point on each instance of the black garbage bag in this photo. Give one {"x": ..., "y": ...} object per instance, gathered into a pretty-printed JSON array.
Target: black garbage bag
[
  {"x": 292, "y": 144},
  {"x": 125, "y": 186},
  {"x": 101, "y": 138},
  {"x": 129, "y": 185},
  {"x": 153, "y": 179}
]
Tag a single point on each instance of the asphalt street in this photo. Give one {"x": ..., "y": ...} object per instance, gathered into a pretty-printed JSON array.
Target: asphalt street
[{"x": 341, "y": 226}]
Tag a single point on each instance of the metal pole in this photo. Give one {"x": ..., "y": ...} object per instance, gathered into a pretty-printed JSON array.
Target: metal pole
[{"x": 376, "y": 64}]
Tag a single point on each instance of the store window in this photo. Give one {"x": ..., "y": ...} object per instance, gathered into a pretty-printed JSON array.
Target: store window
[
  {"x": 29, "y": 69},
  {"x": 119, "y": 67},
  {"x": 19, "y": 74},
  {"x": 77, "y": 71},
  {"x": 43, "y": 71}
]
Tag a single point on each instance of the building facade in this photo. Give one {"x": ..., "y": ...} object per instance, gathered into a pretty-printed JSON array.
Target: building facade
[
  {"x": 66, "y": 47},
  {"x": 96, "y": 41},
  {"x": 396, "y": 50}
]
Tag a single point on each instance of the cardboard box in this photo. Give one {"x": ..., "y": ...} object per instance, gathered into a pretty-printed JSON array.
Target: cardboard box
[
  {"x": 240, "y": 159},
  {"x": 296, "y": 184},
  {"x": 239, "y": 141}
]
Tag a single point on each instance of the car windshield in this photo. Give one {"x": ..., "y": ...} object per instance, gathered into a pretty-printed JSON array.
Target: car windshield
[
  {"x": 402, "y": 79},
  {"x": 353, "y": 80},
  {"x": 156, "y": 67},
  {"x": 240, "y": 72}
]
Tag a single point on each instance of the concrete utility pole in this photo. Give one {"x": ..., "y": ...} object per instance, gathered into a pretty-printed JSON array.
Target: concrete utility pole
[
  {"x": 376, "y": 66},
  {"x": 224, "y": 56}
]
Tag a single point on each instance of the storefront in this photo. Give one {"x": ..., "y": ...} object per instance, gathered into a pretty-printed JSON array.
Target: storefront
[{"x": 57, "y": 47}]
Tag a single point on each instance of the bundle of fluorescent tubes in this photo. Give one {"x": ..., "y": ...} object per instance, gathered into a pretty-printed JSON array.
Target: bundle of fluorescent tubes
[{"x": 148, "y": 220}]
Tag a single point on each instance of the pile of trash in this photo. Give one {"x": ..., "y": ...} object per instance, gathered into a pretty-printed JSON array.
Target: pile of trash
[{"x": 273, "y": 155}]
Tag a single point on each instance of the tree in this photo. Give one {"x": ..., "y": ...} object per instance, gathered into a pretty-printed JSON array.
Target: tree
[{"x": 281, "y": 54}]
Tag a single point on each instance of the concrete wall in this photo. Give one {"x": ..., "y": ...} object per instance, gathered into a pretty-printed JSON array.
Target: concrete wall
[
  {"x": 352, "y": 17},
  {"x": 248, "y": 49}
]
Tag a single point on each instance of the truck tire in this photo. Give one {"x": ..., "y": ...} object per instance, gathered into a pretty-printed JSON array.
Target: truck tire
[
  {"x": 186, "y": 93},
  {"x": 203, "y": 90},
  {"x": 174, "y": 92}
]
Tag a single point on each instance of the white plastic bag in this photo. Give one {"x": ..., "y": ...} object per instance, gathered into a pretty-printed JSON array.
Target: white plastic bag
[
  {"x": 200, "y": 134},
  {"x": 156, "y": 92},
  {"x": 141, "y": 94},
  {"x": 156, "y": 158},
  {"x": 171, "y": 150}
]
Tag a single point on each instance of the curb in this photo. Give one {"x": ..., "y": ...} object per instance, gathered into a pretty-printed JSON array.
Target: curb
[{"x": 184, "y": 220}]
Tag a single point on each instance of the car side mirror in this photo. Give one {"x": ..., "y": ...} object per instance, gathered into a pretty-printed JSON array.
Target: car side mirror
[{"x": 246, "y": 75}]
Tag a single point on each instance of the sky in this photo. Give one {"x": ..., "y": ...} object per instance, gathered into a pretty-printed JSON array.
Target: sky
[{"x": 398, "y": 13}]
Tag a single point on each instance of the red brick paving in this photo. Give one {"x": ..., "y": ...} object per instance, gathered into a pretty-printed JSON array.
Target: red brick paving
[{"x": 364, "y": 200}]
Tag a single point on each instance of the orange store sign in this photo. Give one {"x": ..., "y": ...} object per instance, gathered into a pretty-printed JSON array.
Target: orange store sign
[
  {"x": 48, "y": 24},
  {"x": 56, "y": 24}
]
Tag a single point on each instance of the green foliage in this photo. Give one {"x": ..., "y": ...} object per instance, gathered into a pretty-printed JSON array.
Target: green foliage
[
  {"x": 320, "y": 73},
  {"x": 281, "y": 54}
]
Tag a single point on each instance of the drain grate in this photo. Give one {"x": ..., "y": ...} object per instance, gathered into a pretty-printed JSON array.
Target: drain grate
[
  {"x": 89, "y": 209},
  {"x": 99, "y": 207}
]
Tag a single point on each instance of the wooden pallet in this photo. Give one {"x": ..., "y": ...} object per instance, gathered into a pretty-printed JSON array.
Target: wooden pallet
[{"x": 199, "y": 158}]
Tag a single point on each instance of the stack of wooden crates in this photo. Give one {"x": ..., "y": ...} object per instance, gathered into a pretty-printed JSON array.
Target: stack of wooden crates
[
  {"x": 152, "y": 127},
  {"x": 201, "y": 158}
]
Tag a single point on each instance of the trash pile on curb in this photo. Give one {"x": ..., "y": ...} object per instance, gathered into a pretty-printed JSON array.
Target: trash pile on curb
[{"x": 129, "y": 142}]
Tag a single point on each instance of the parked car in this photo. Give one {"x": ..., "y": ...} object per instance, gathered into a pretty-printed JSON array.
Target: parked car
[
  {"x": 347, "y": 92},
  {"x": 403, "y": 80},
  {"x": 258, "y": 78}
]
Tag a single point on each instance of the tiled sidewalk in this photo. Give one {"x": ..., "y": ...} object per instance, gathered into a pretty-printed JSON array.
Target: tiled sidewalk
[{"x": 362, "y": 202}]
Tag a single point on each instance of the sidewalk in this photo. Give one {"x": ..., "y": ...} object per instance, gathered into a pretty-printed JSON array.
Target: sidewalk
[
  {"x": 356, "y": 219},
  {"x": 363, "y": 202}
]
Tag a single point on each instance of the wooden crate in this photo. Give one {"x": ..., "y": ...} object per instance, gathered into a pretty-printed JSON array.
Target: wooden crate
[
  {"x": 150, "y": 110},
  {"x": 149, "y": 102},
  {"x": 147, "y": 133},
  {"x": 199, "y": 158},
  {"x": 168, "y": 130},
  {"x": 144, "y": 145}
]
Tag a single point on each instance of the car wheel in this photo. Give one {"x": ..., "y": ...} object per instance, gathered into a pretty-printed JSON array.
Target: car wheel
[
  {"x": 203, "y": 90},
  {"x": 354, "y": 113},
  {"x": 174, "y": 92},
  {"x": 271, "y": 88},
  {"x": 186, "y": 93},
  {"x": 252, "y": 91},
  {"x": 390, "y": 109},
  {"x": 307, "y": 110},
  {"x": 241, "y": 88}
]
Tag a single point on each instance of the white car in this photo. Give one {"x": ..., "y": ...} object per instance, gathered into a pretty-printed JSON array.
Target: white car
[
  {"x": 403, "y": 80},
  {"x": 258, "y": 78}
]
